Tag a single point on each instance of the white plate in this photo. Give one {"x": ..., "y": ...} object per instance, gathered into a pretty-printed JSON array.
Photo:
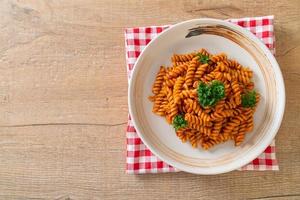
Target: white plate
[{"x": 216, "y": 36}]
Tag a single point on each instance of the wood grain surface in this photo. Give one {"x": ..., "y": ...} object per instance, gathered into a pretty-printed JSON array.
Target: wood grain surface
[{"x": 63, "y": 101}]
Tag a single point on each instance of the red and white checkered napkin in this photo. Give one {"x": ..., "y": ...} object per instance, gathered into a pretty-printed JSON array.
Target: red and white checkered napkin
[{"x": 139, "y": 158}]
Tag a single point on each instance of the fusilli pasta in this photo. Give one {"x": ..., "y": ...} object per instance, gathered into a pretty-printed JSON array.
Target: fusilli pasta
[{"x": 225, "y": 113}]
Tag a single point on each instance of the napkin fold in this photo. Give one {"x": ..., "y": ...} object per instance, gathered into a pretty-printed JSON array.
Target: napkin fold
[{"x": 139, "y": 158}]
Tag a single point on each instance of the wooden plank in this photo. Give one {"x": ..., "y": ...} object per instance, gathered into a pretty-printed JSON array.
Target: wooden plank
[{"x": 63, "y": 101}]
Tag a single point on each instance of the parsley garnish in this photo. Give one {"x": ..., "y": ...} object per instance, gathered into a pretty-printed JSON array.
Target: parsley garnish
[
  {"x": 249, "y": 99},
  {"x": 203, "y": 58},
  {"x": 210, "y": 94},
  {"x": 179, "y": 122}
]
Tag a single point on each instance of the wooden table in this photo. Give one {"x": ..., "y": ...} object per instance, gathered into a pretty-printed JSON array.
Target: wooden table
[{"x": 63, "y": 101}]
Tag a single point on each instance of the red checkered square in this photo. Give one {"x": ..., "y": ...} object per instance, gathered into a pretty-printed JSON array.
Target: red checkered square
[{"x": 139, "y": 158}]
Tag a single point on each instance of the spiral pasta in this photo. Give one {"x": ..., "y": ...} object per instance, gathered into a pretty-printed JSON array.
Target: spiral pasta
[{"x": 177, "y": 97}]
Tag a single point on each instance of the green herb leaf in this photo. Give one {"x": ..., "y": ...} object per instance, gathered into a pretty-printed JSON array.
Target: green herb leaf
[
  {"x": 249, "y": 99},
  {"x": 203, "y": 58},
  {"x": 210, "y": 94},
  {"x": 179, "y": 122}
]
